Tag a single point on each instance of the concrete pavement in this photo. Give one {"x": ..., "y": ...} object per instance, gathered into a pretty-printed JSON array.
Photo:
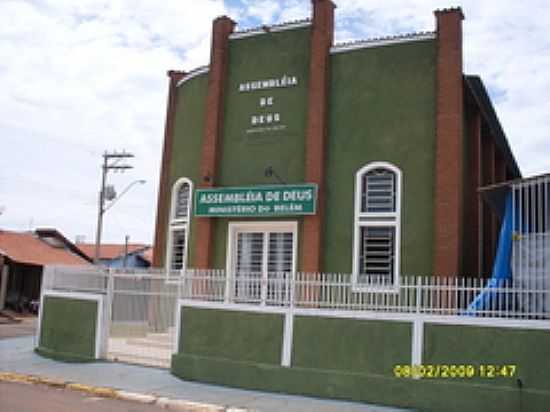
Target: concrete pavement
[
  {"x": 23, "y": 327},
  {"x": 16, "y": 355}
]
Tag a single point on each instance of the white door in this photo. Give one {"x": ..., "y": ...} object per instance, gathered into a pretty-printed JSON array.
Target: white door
[{"x": 262, "y": 261}]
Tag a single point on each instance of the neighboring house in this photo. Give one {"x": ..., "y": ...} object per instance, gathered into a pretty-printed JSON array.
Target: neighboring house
[
  {"x": 136, "y": 255},
  {"x": 23, "y": 256},
  {"x": 147, "y": 256}
]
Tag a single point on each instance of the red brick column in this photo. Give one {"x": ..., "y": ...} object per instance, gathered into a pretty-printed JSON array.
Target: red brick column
[
  {"x": 317, "y": 123},
  {"x": 164, "y": 193},
  {"x": 449, "y": 144},
  {"x": 499, "y": 176},
  {"x": 219, "y": 54},
  {"x": 500, "y": 166},
  {"x": 488, "y": 218},
  {"x": 473, "y": 201}
]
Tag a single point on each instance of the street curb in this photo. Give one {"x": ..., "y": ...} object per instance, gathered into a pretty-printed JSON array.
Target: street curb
[{"x": 176, "y": 405}]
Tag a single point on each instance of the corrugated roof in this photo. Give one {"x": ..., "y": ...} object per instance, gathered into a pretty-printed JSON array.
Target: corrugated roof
[
  {"x": 275, "y": 26},
  {"x": 110, "y": 251},
  {"x": 25, "y": 247},
  {"x": 382, "y": 41}
]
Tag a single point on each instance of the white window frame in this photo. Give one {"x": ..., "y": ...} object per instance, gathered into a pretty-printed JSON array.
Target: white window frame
[
  {"x": 178, "y": 224},
  {"x": 257, "y": 226},
  {"x": 377, "y": 219}
]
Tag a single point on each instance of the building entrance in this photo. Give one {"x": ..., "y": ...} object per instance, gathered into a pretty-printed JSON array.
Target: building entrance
[{"x": 262, "y": 259}]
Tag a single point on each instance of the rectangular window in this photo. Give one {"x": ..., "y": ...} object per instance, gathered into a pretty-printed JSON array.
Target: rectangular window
[
  {"x": 377, "y": 252},
  {"x": 378, "y": 192},
  {"x": 377, "y": 227},
  {"x": 178, "y": 226},
  {"x": 179, "y": 238},
  {"x": 249, "y": 265},
  {"x": 261, "y": 260}
]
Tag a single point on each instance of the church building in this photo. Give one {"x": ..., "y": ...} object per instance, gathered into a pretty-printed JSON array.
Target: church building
[{"x": 289, "y": 152}]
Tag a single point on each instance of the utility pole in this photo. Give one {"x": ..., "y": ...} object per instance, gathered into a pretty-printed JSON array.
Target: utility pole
[
  {"x": 110, "y": 162},
  {"x": 125, "y": 259}
]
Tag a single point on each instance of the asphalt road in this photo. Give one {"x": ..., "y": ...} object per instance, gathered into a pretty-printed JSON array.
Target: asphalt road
[{"x": 19, "y": 397}]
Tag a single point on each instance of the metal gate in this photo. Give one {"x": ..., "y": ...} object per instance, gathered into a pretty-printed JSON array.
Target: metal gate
[{"x": 141, "y": 317}]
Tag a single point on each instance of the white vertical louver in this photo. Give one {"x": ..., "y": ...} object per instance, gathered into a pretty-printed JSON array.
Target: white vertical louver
[
  {"x": 377, "y": 251},
  {"x": 178, "y": 234},
  {"x": 377, "y": 225},
  {"x": 378, "y": 191},
  {"x": 263, "y": 261},
  {"x": 179, "y": 238},
  {"x": 182, "y": 202},
  {"x": 280, "y": 252},
  {"x": 250, "y": 247}
]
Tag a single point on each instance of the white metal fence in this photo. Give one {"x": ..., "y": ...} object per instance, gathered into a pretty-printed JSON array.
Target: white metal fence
[
  {"x": 139, "y": 309},
  {"x": 142, "y": 317},
  {"x": 133, "y": 290},
  {"x": 531, "y": 236},
  {"x": 139, "y": 319},
  {"x": 427, "y": 295}
]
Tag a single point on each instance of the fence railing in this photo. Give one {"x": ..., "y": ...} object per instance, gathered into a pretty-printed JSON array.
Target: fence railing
[
  {"x": 461, "y": 296},
  {"x": 335, "y": 291}
]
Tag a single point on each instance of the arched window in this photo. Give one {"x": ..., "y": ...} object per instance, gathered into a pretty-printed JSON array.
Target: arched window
[
  {"x": 178, "y": 230},
  {"x": 377, "y": 226}
]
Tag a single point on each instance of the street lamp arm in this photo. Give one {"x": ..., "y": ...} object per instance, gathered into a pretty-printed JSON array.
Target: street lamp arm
[{"x": 141, "y": 181}]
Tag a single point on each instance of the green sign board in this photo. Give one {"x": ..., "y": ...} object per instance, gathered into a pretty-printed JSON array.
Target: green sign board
[{"x": 280, "y": 200}]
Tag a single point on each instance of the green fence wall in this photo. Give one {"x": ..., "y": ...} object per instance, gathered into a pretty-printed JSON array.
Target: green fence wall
[
  {"x": 354, "y": 360},
  {"x": 527, "y": 350},
  {"x": 68, "y": 329},
  {"x": 227, "y": 347},
  {"x": 240, "y": 336}
]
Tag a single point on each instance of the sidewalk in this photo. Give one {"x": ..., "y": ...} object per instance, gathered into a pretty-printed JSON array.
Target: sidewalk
[{"x": 16, "y": 355}]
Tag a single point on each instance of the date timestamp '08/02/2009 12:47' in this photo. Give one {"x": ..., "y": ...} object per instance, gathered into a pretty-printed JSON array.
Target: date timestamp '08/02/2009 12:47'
[{"x": 489, "y": 371}]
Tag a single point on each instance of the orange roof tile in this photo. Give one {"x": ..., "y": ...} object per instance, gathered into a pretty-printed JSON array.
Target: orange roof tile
[{"x": 28, "y": 248}]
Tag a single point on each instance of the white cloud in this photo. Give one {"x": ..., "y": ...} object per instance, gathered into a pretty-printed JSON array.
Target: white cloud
[
  {"x": 505, "y": 42},
  {"x": 79, "y": 77},
  {"x": 84, "y": 77}
]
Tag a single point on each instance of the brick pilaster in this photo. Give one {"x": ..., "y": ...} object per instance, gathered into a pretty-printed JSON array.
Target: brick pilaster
[
  {"x": 500, "y": 166},
  {"x": 219, "y": 54},
  {"x": 449, "y": 145},
  {"x": 473, "y": 199},
  {"x": 488, "y": 219},
  {"x": 163, "y": 201},
  {"x": 317, "y": 125}
]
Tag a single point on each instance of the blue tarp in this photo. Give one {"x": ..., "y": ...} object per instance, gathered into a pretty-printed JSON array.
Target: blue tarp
[{"x": 502, "y": 270}]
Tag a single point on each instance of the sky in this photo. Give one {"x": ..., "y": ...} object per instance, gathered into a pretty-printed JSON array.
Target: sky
[{"x": 78, "y": 78}]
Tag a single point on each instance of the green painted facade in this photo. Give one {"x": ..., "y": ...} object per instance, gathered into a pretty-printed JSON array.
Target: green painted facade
[
  {"x": 187, "y": 142},
  {"x": 73, "y": 338},
  {"x": 244, "y": 156},
  {"x": 354, "y": 360},
  {"x": 382, "y": 108},
  {"x": 374, "y": 92}
]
